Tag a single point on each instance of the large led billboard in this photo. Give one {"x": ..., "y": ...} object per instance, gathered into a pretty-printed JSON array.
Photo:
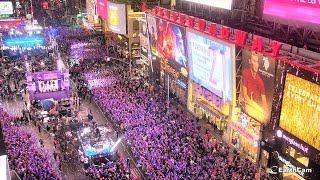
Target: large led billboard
[
  {"x": 117, "y": 18},
  {"x": 293, "y": 11},
  {"x": 224, "y": 4},
  {"x": 300, "y": 110},
  {"x": 211, "y": 63},
  {"x": 102, "y": 9},
  {"x": 6, "y": 8},
  {"x": 257, "y": 85},
  {"x": 167, "y": 44}
]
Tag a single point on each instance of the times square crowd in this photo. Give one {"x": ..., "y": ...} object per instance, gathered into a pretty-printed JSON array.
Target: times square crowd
[{"x": 167, "y": 143}]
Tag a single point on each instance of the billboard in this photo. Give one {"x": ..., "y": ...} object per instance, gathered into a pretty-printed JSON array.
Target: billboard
[
  {"x": 257, "y": 85},
  {"x": 102, "y": 9},
  {"x": 6, "y": 8},
  {"x": 171, "y": 45},
  {"x": 144, "y": 39},
  {"x": 117, "y": 18},
  {"x": 304, "y": 12},
  {"x": 153, "y": 35},
  {"x": 224, "y": 4},
  {"x": 301, "y": 110},
  {"x": 211, "y": 63}
]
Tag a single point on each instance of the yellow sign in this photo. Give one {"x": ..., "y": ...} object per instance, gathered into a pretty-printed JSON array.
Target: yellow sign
[
  {"x": 168, "y": 68},
  {"x": 113, "y": 17},
  {"x": 300, "y": 113}
]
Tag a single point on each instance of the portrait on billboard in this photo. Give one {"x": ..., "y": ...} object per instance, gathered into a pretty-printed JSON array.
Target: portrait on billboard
[
  {"x": 257, "y": 85},
  {"x": 300, "y": 111},
  {"x": 144, "y": 41},
  {"x": 211, "y": 64},
  {"x": 153, "y": 34}
]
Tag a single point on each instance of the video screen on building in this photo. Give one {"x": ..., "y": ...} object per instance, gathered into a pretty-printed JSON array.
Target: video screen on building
[
  {"x": 6, "y": 8},
  {"x": 102, "y": 9},
  {"x": 117, "y": 18},
  {"x": 171, "y": 45},
  {"x": 293, "y": 11},
  {"x": 211, "y": 63},
  {"x": 300, "y": 112},
  {"x": 153, "y": 34},
  {"x": 257, "y": 85},
  {"x": 224, "y": 4}
]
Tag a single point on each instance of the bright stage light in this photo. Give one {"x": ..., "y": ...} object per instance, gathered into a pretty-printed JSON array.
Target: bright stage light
[
  {"x": 25, "y": 41},
  {"x": 115, "y": 145},
  {"x": 85, "y": 131},
  {"x": 6, "y": 26},
  {"x": 38, "y": 32}
]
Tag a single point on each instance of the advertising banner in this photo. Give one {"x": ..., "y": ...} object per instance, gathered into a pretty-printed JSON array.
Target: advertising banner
[
  {"x": 167, "y": 44},
  {"x": 301, "y": 11},
  {"x": 211, "y": 63},
  {"x": 117, "y": 18},
  {"x": 153, "y": 35},
  {"x": 102, "y": 9},
  {"x": 224, "y": 4},
  {"x": 144, "y": 39},
  {"x": 257, "y": 86},
  {"x": 171, "y": 47},
  {"x": 6, "y": 8},
  {"x": 300, "y": 112}
]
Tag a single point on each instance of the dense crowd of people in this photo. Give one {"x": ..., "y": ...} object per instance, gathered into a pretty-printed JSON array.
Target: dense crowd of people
[
  {"x": 25, "y": 155},
  {"x": 166, "y": 142},
  {"x": 11, "y": 79},
  {"x": 110, "y": 170}
]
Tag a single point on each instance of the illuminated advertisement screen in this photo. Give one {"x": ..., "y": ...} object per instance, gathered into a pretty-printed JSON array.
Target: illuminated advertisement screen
[
  {"x": 301, "y": 110},
  {"x": 144, "y": 39},
  {"x": 258, "y": 75},
  {"x": 211, "y": 63},
  {"x": 153, "y": 34},
  {"x": 117, "y": 18},
  {"x": 6, "y": 8},
  {"x": 224, "y": 4},
  {"x": 294, "y": 10},
  {"x": 170, "y": 44},
  {"x": 167, "y": 43},
  {"x": 102, "y": 9}
]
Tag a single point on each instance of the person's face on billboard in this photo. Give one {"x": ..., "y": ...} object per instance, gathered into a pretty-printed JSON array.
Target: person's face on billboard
[{"x": 254, "y": 63}]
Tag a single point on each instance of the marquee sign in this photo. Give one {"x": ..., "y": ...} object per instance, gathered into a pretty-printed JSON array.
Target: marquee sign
[{"x": 221, "y": 32}]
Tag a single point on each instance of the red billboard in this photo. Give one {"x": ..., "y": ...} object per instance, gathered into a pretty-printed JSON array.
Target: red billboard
[
  {"x": 307, "y": 11},
  {"x": 102, "y": 9}
]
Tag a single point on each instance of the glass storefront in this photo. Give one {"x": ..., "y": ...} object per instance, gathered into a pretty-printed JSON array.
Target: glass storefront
[
  {"x": 206, "y": 111},
  {"x": 245, "y": 135},
  {"x": 178, "y": 88}
]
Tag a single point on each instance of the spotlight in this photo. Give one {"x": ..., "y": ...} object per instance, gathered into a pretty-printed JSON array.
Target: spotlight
[
  {"x": 6, "y": 26},
  {"x": 115, "y": 145}
]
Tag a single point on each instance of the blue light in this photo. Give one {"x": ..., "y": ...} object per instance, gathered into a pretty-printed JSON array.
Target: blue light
[{"x": 25, "y": 41}]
